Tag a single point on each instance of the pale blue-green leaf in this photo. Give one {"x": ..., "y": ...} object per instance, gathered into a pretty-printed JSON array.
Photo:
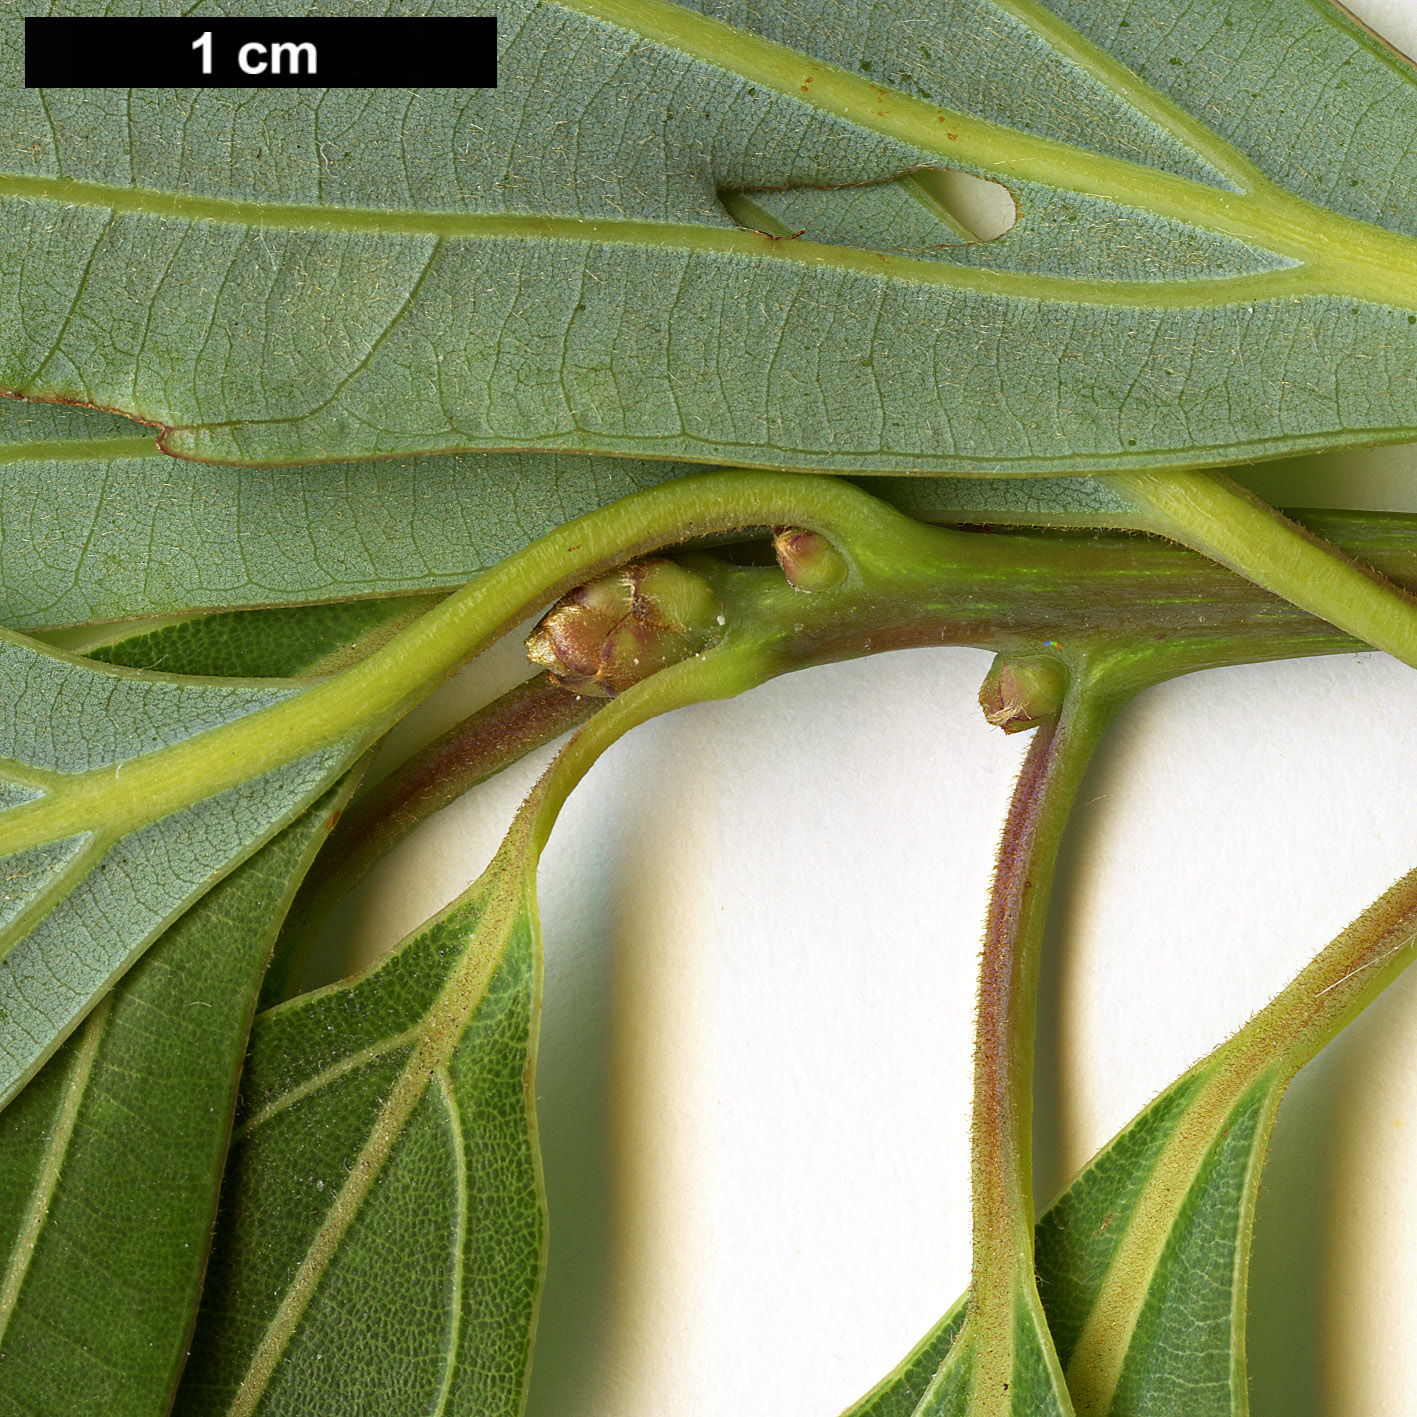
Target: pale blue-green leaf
[
  {"x": 97, "y": 525},
  {"x": 95, "y": 870},
  {"x": 553, "y": 264}
]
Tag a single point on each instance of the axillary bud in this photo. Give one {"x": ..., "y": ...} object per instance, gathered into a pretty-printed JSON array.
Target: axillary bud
[
  {"x": 1020, "y": 693},
  {"x": 808, "y": 559}
]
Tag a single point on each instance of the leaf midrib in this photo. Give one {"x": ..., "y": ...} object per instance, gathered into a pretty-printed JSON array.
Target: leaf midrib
[
  {"x": 1264, "y": 214},
  {"x": 1108, "y": 71},
  {"x": 1095, "y": 1367},
  {"x": 79, "y": 450},
  {"x": 687, "y": 237},
  {"x": 442, "y": 1027},
  {"x": 55, "y": 1152},
  {"x": 448, "y": 1100},
  {"x": 65, "y": 881},
  {"x": 1304, "y": 278},
  {"x": 307, "y": 1087}
]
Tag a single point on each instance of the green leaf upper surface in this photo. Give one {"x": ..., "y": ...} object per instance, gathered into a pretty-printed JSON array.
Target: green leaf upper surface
[
  {"x": 551, "y": 264},
  {"x": 1174, "y": 1195},
  {"x": 379, "y": 1247},
  {"x": 1031, "y": 1385},
  {"x": 1184, "y": 1351},
  {"x": 111, "y": 1160},
  {"x": 900, "y": 1394},
  {"x": 1142, "y": 1264},
  {"x": 280, "y": 642}
]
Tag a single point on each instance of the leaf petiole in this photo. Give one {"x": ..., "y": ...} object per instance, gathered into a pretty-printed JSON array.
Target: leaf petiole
[
  {"x": 1003, "y": 1359},
  {"x": 497, "y": 735}
]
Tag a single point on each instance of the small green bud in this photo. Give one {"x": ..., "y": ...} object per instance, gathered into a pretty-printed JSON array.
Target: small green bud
[
  {"x": 619, "y": 628},
  {"x": 808, "y": 559},
  {"x": 1022, "y": 693}
]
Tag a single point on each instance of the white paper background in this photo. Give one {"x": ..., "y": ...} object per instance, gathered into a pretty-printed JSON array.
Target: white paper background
[{"x": 761, "y": 926}]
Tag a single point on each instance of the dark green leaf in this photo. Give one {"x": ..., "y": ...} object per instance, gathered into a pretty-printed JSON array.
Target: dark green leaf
[
  {"x": 111, "y": 1160},
  {"x": 1141, "y": 1266},
  {"x": 284, "y": 642},
  {"x": 379, "y": 1248}
]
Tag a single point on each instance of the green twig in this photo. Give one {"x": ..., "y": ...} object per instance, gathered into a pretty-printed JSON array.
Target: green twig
[{"x": 1011, "y": 593}]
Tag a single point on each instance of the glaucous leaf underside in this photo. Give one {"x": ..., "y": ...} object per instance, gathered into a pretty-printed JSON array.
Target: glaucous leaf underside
[
  {"x": 97, "y": 524},
  {"x": 97, "y": 864},
  {"x": 1213, "y": 254}
]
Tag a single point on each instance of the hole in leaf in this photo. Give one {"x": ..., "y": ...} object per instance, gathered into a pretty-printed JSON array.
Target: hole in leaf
[
  {"x": 985, "y": 209},
  {"x": 925, "y": 208}
]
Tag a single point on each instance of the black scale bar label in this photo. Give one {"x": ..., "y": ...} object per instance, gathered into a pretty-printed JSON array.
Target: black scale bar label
[{"x": 335, "y": 53}]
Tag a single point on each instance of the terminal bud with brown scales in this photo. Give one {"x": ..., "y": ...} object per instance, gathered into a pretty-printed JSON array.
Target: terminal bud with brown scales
[{"x": 620, "y": 627}]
